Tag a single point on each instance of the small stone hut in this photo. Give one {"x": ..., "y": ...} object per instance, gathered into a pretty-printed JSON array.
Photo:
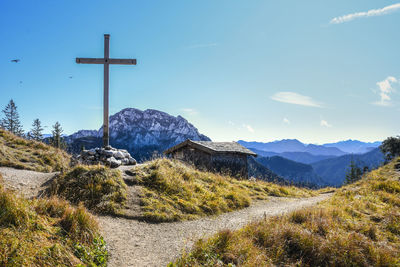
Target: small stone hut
[{"x": 223, "y": 157}]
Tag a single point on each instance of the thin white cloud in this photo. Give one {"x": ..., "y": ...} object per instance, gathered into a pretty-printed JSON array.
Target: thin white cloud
[
  {"x": 205, "y": 45},
  {"x": 190, "y": 111},
  {"x": 324, "y": 123},
  {"x": 231, "y": 123},
  {"x": 286, "y": 121},
  {"x": 295, "y": 98},
  {"x": 248, "y": 128},
  {"x": 385, "y": 89},
  {"x": 370, "y": 13}
]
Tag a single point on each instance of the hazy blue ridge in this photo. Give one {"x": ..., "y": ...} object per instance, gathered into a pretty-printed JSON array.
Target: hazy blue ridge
[
  {"x": 293, "y": 145},
  {"x": 334, "y": 170},
  {"x": 292, "y": 171}
]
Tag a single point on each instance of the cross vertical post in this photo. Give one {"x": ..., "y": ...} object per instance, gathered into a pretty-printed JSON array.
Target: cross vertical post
[
  {"x": 106, "y": 61},
  {"x": 106, "y": 135}
]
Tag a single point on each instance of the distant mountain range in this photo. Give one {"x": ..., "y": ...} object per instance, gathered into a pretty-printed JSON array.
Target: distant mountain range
[
  {"x": 150, "y": 132},
  {"x": 293, "y": 145},
  {"x": 334, "y": 170},
  {"x": 302, "y": 157},
  {"x": 292, "y": 171},
  {"x": 354, "y": 146},
  {"x": 331, "y": 149},
  {"x": 319, "y": 164}
]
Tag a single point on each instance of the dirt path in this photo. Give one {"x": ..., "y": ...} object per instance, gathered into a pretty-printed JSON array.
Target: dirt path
[
  {"x": 134, "y": 243},
  {"x": 27, "y": 183}
]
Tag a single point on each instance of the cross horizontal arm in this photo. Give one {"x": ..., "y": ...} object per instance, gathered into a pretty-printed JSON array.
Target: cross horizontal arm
[{"x": 103, "y": 61}]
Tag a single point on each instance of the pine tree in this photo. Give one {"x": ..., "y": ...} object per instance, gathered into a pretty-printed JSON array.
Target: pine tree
[
  {"x": 11, "y": 121},
  {"x": 354, "y": 174},
  {"x": 36, "y": 131},
  {"x": 57, "y": 141},
  {"x": 391, "y": 148}
]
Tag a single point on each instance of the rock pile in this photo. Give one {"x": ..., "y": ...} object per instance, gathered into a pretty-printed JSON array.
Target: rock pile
[{"x": 107, "y": 156}]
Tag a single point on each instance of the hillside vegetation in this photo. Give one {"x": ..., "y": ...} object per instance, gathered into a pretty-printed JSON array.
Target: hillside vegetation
[
  {"x": 98, "y": 188},
  {"x": 47, "y": 232},
  {"x": 358, "y": 226},
  {"x": 20, "y": 153},
  {"x": 173, "y": 191}
]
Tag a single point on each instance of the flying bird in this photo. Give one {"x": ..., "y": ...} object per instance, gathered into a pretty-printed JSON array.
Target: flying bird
[
  {"x": 15, "y": 60},
  {"x": 70, "y": 77}
]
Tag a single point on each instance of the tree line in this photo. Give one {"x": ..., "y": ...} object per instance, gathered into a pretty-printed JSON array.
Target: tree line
[
  {"x": 11, "y": 122},
  {"x": 390, "y": 148}
]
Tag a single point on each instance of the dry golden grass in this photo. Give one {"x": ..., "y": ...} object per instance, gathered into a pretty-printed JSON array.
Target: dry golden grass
[
  {"x": 19, "y": 153},
  {"x": 47, "y": 232},
  {"x": 174, "y": 191},
  {"x": 358, "y": 226},
  {"x": 98, "y": 188}
]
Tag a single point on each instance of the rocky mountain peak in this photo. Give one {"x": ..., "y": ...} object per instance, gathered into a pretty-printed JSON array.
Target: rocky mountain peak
[{"x": 148, "y": 130}]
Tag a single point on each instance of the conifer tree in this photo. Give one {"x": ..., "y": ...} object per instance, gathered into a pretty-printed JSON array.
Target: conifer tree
[
  {"x": 36, "y": 131},
  {"x": 57, "y": 140},
  {"x": 354, "y": 174},
  {"x": 11, "y": 121},
  {"x": 391, "y": 147}
]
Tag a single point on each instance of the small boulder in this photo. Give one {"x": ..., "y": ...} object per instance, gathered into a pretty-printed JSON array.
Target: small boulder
[
  {"x": 125, "y": 161},
  {"x": 107, "y": 153},
  {"x": 114, "y": 163},
  {"x": 118, "y": 155},
  {"x": 132, "y": 161}
]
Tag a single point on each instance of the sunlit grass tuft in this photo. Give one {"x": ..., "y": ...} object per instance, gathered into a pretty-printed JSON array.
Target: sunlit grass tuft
[
  {"x": 174, "y": 191},
  {"x": 98, "y": 188},
  {"x": 358, "y": 226},
  {"x": 20, "y": 153},
  {"x": 47, "y": 232}
]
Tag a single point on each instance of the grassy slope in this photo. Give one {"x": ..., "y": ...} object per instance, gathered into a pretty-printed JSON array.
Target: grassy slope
[
  {"x": 358, "y": 226},
  {"x": 19, "y": 153},
  {"x": 98, "y": 188},
  {"x": 173, "y": 191},
  {"x": 47, "y": 232}
]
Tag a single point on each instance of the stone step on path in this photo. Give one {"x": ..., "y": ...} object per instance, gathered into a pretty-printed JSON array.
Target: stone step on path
[{"x": 132, "y": 208}]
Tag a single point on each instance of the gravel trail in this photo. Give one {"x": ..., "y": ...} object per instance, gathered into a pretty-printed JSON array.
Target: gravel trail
[
  {"x": 27, "y": 183},
  {"x": 135, "y": 243}
]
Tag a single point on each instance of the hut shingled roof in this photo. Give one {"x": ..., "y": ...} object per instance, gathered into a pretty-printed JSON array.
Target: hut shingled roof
[{"x": 213, "y": 147}]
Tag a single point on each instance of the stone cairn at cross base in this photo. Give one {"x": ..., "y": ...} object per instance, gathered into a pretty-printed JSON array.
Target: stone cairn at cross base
[{"x": 108, "y": 156}]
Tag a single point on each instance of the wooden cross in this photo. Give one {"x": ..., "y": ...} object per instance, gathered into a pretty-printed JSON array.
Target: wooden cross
[{"x": 106, "y": 61}]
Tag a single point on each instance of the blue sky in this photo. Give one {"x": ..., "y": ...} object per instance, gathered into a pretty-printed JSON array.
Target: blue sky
[{"x": 317, "y": 71}]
